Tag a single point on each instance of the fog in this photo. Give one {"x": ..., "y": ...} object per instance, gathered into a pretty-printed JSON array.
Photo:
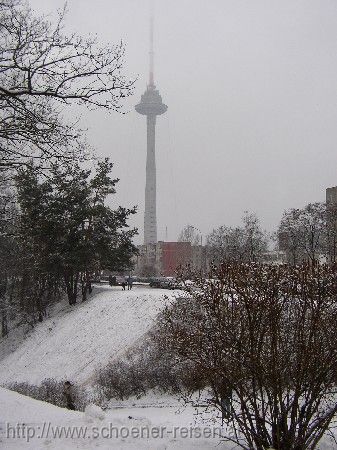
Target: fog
[{"x": 252, "y": 105}]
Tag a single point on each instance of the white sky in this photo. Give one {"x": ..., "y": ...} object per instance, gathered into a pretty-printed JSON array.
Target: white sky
[{"x": 252, "y": 105}]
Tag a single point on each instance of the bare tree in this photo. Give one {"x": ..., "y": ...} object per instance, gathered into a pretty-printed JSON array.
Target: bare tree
[
  {"x": 9, "y": 253},
  {"x": 226, "y": 243},
  {"x": 42, "y": 71},
  {"x": 302, "y": 233},
  {"x": 289, "y": 236},
  {"x": 255, "y": 237},
  {"x": 264, "y": 339},
  {"x": 190, "y": 234},
  {"x": 331, "y": 230},
  {"x": 245, "y": 243}
]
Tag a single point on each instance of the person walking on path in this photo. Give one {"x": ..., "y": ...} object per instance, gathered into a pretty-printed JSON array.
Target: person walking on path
[
  {"x": 123, "y": 284},
  {"x": 129, "y": 283},
  {"x": 68, "y": 394}
]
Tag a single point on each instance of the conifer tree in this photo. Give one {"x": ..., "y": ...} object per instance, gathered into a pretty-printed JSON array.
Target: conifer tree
[{"x": 67, "y": 230}]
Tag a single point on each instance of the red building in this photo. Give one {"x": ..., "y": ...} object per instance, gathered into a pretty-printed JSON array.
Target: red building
[
  {"x": 163, "y": 258},
  {"x": 171, "y": 255}
]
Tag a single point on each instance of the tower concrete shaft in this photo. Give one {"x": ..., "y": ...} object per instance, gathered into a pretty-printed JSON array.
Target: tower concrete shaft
[
  {"x": 151, "y": 106},
  {"x": 150, "y": 215}
]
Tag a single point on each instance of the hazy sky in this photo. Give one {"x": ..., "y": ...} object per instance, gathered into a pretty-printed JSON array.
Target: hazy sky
[{"x": 251, "y": 89}]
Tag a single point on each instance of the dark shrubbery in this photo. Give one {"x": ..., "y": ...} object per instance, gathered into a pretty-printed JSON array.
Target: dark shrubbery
[
  {"x": 264, "y": 337},
  {"x": 260, "y": 338},
  {"x": 146, "y": 368},
  {"x": 119, "y": 380},
  {"x": 51, "y": 391}
]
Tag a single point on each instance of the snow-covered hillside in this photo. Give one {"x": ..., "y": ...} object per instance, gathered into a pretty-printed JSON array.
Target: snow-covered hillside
[
  {"x": 72, "y": 344},
  {"x": 81, "y": 338},
  {"x": 50, "y": 427},
  {"x": 141, "y": 425}
]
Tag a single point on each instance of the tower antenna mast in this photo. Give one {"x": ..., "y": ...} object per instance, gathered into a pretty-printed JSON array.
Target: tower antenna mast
[{"x": 151, "y": 80}]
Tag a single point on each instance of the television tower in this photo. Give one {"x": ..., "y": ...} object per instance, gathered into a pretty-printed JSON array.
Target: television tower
[{"x": 151, "y": 106}]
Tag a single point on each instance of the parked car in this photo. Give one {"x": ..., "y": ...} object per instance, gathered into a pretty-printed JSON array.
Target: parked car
[
  {"x": 176, "y": 284},
  {"x": 157, "y": 282},
  {"x": 166, "y": 283}
]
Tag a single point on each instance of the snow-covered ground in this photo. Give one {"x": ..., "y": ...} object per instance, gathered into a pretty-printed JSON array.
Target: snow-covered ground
[
  {"x": 156, "y": 423},
  {"x": 147, "y": 426},
  {"x": 71, "y": 344},
  {"x": 81, "y": 338}
]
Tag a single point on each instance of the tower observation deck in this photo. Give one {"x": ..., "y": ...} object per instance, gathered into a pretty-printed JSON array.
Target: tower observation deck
[{"x": 151, "y": 106}]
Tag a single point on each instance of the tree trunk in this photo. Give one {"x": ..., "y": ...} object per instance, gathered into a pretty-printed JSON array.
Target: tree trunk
[
  {"x": 84, "y": 288},
  {"x": 4, "y": 324},
  {"x": 71, "y": 281},
  {"x": 86, "y": 285}
]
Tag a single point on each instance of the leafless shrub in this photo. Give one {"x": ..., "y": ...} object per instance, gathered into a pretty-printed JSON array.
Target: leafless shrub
[
  {"x": 264, "y": 338},
  {"x": 146, "y": 368},
  {"x": 51, "y": 391}
]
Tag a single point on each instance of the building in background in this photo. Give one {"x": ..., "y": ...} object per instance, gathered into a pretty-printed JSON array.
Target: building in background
[
  {"x": 331, "y": 209},
  {"x": 164, "y": 258},
  {"x": 331, "y": 195}
]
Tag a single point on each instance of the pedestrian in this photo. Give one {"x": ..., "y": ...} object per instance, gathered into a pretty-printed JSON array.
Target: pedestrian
[
  {"x": 129, "y": 283},
  {"x": 68, "y": 394},
  {"x": 226, "y": 402},
  {"x": 123, "y": 284}
]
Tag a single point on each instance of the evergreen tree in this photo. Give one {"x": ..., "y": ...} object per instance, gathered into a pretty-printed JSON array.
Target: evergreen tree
[
  {"x": 8, "y": 252},
  {"x": 66, "y": 228}
]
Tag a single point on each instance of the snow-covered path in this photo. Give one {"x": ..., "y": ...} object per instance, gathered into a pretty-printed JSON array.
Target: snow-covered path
[{"x": 84, "y": 337}]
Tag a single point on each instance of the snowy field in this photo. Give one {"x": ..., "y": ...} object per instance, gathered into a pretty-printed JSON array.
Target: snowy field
[
  {"x": 148, "y": 424},
  {"x": 71, "y": 344},
  {"x": 156, "y": 427},
  {"x": 79, "y": 339}
]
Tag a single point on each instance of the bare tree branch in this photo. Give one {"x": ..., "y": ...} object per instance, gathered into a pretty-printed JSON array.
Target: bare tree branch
[{"x": 43, "y": 71}]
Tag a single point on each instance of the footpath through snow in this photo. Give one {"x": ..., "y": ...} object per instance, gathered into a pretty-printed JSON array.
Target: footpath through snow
[{"x": 84, "y": 337}]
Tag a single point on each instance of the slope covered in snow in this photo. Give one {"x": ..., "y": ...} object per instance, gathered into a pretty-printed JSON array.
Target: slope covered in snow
[
  {"x": 30, "y": 424},
  {"x": 84, "y": 337},
  {"x": 72, "y": 344}
]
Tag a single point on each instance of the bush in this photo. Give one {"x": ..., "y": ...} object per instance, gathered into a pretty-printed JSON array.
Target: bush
[
  {"x": 119, "y": 380},
  {"x": 264, "y": 338},
  {"x": 51, "y": 391},
  {"x": 145, "y": 368}
]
